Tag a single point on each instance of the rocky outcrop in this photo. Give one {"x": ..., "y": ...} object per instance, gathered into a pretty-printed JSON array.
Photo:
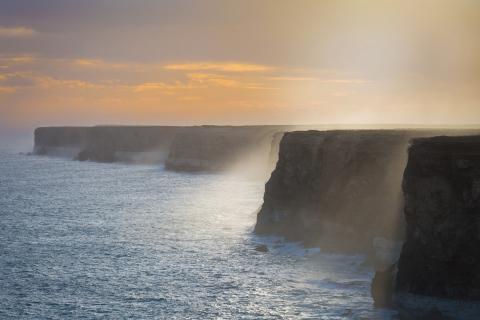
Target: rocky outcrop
[
  {"x": 439, "y": 266},
  {"x": 382, "y": 287}
]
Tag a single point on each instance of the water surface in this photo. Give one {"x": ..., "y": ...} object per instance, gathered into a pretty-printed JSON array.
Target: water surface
[{"x": 89, "y": 240}]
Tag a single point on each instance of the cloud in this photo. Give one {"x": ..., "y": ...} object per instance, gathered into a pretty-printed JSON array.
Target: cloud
[
  {"x": 88, "y": 62},
  {"x": 219, "y": 66},
  {"x": 161, "y": 86},
  {"x": 18, "y": 79},
  {"x": 230, "y": 67},
  {"x": 346, "y": 81},
  {"x": 16, "y": 60},
  {"x": 7, "y": 90},
  {"x": 213, "y": 79},
  {"x": 48, "y": 82},
  {"x": 15, "y": 81},
  {"x": 98, "y": 63},
  {"x": 17, "y": 32},
  {"x": 282, "y": 78}
]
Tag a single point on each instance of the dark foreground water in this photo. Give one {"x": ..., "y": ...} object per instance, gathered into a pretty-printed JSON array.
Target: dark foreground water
[{"x": 89, "y": 240}]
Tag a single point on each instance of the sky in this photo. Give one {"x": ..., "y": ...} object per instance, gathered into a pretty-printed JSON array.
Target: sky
[{"x": 186, "y": 62}]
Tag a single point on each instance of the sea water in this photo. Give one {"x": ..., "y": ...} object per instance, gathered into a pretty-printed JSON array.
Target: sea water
[{"x": 84, "y": 240}]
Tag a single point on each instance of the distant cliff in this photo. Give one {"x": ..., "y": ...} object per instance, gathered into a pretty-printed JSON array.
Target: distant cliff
[
  {"x": 212, "y": 148},
  {"x": 128, "y": 143},
  {"x": 106, "y": 143},
  {"x": 60, "y": 141},
  {"x": 199, "y": 148},
  {"x": 441, "y": 255}
]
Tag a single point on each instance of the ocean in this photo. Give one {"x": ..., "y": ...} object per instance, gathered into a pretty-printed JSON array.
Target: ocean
[{"x": 84, "y": 240}]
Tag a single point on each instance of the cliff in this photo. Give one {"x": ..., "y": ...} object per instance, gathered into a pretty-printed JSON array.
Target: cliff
[
  {"x": 59, "y": 141},
  {"x": 337, "y": 189},
  {"x": 106, "y": 143},
  {"x": 210, "y": 148},
  {"x": 441, "y": 255},
  {"x": 248, "y": 149},
  {"x": 128, "y": 144}
]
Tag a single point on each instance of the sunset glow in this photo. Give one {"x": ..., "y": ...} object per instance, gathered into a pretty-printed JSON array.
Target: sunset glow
[{"x": 186, "y": 63}]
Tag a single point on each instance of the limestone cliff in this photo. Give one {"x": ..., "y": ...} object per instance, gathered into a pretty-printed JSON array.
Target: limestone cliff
[
  {"x": 441, "y": 255},
  {"x": 60, "y": 141},
  {"x": 209, "y": 148},
  {"x": 200, "y": 148},
  {"x": 128, "y": 143},
  {"x": 336, "y": 188},
  {"x": 339, "y": 189},
  {"x": 107, "y": 143}
]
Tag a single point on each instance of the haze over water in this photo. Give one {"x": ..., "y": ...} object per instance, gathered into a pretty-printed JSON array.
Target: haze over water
[{"x": 89, "y": 240}]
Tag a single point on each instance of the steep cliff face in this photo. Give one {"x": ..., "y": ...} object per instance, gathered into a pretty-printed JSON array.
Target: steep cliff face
[
  {"x": 201, "y": 148},
  {"x": 107, "y": 143},
  {"x": 336, "y": 188},
  {"x": 60, "y": 141},
  {"x": 60, "y": 136},
  {"x": 222, "y": 148},
  {"x": 441, "y": 255},
  {"x": 110, "y": 144}
]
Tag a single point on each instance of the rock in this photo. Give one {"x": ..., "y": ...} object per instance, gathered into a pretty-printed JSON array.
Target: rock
[
  {"x": 434, "y": 314},
  {"x": 385, "y": 252},
  {"x": 247, "y": 149},
  {"x": 261, "y": 248},
  {"x": 209, "y": 148},
  {"x": 104, "y": 143},
  {"x": 382, "y": 287},
  {"x": 439, "y": 265},
  {"x": 338, "y": 189}
]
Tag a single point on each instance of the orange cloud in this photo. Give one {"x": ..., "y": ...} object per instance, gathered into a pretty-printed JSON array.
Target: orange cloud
[
  {"x": 282, "y": 78},
  {"x": 346, "y": 81},
  {"x": 17, "y": 32},
  {"x": 48, "y": 82},
  {"x": 97, "y": 63},
  {"x": 161, "y": 86},
  {"x": 219, "y": 66},
  {"x": 7, "y": 90},
  {"x": 16, "y": 60},
  {"x": 214, "y": 79},
  {"x": 88, "y": 62}
]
